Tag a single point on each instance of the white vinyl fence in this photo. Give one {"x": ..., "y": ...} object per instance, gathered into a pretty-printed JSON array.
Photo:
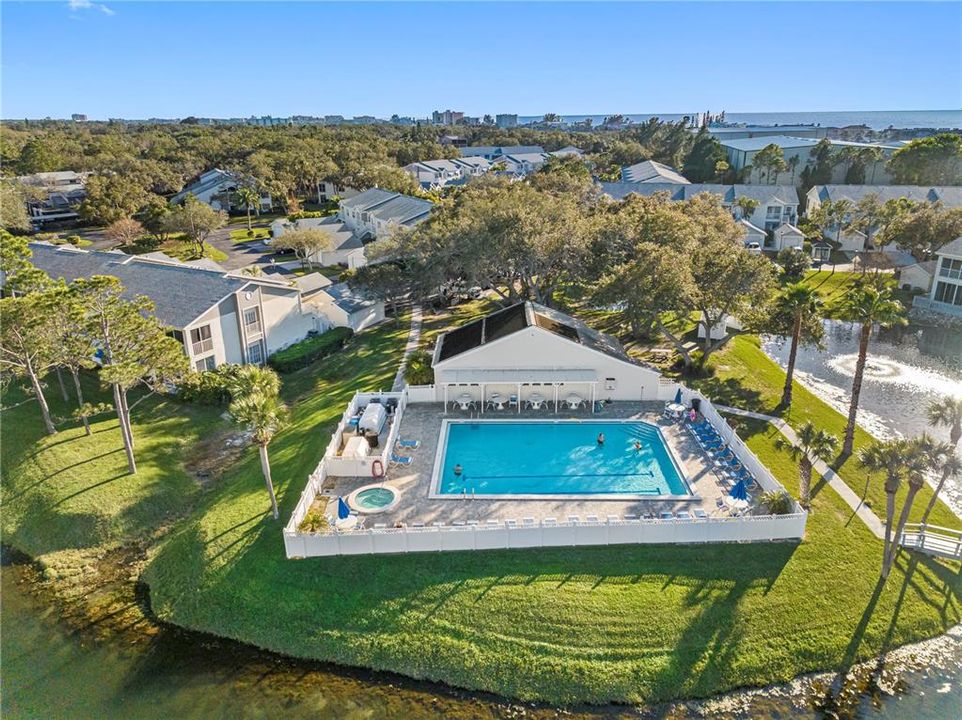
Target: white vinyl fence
[
  {"x": 510, "y": 534},
  {"x": 752, "y": 528}
]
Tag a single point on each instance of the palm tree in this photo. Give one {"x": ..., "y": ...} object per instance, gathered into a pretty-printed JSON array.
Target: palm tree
[
  {"x": 802, "y": 304},
  {"x": 249, "y": 198},
  {"x": 947, "y": 412},
  {"x": 746, "y": 205},
  {"x": 869, "y": 305},
  {"x": 886, "y": 457},
  {"x": 922, "y": 455},
  {"x": 946, "y": 464},
  {"x": 256, "y": 403},
  {"x": 812, "y": 445}
]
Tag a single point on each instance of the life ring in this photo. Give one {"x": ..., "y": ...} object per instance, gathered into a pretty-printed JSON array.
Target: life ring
[{"x": 377, "y": 469}]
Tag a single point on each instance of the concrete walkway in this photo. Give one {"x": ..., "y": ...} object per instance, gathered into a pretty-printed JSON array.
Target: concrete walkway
[
  {"x": 831, "y": 477},
  {"x": 414, "y": 339}
]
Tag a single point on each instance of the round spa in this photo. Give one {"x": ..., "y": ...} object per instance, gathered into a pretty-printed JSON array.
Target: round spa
[{"x": 373, "y": 499}]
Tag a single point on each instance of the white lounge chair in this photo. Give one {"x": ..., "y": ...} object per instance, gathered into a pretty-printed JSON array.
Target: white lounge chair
[
  {"x": 527, "y": 522},
  {"x": 549, "y": 522},
  {"x": 574, "y": 520},
  {"x": 591, "y": 519}
]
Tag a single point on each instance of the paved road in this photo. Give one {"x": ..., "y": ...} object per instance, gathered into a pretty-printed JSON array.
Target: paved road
[{"x": 850, "y": 497}]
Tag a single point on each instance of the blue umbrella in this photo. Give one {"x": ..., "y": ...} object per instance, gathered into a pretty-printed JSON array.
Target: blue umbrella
[
  {"x": 677, "y": 397},
  {"x": 739, "y": 491},
  {"x": 342, "y": 509}
]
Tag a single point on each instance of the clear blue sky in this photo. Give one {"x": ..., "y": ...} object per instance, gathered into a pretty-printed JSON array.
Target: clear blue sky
[{"x": 221, "y": 59}]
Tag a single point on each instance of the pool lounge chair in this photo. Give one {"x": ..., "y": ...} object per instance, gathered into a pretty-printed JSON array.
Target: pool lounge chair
[
  {"x": 549, "y": 522},
  {"x": 527, "y": 522},
  {"x": 666, "y": 515},
  {"x": 409, "y": 444},
  {"x": 401, "y": 459},
  {"x": 683, "y": 515},
  {"x": 700, "y": 514},
  {"x": 492, "y": 523},
  {"x": 591, "y": 519},
  {"x": 574, "y": 520}
]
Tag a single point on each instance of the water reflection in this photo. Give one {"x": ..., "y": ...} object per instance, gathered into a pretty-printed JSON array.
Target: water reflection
[
  {"x": 53, "y": 671},
  {"x": 908, "y": 367}
]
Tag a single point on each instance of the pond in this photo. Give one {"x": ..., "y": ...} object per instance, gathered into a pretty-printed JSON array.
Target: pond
[
  {"x": 908, "y": 367},
  {"x": 51, "y": 670}
]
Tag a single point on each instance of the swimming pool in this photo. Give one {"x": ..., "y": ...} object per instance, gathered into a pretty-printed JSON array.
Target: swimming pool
[{"x": 561, "y": 457}]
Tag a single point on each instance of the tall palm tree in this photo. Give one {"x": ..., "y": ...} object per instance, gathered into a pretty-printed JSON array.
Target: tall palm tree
[
  {"x": 922, "y": 456},
  {"x": 947, "y": 412},
  {"x": 946, "y": 464},
  {"x": 867, "y": 304},
  {"x": 887, "y": 457},
  {"x": 249, "y": 198},
  {"x": 801, "y": 304},
  {"x": 256, "y": 403},
  {"x": 812, "y": 445}
]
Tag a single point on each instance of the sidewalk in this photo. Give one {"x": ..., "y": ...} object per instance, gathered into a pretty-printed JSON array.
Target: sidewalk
[
  {"x": 414, "y": 339},
  {"x": 850, "y": 497}
]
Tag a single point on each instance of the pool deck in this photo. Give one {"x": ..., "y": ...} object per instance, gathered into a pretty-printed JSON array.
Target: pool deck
[{"x": 423, "y": 422}]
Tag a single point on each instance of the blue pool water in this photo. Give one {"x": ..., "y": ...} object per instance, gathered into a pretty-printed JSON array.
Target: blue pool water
[{"x": 555, "y": 458}]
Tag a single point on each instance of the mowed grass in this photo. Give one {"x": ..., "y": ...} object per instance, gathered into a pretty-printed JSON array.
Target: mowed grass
[
  {"x": 566, "y": 625},
  {"x": 241, "y": 235},
  {"x": 70, "y": 491},
  {"x": 745, "y": 377}
]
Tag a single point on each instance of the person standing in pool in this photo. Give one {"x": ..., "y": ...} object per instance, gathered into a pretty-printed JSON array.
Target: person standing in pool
[
  {"x": 638, "y": 445},
  {"x": 601, "y": 438}
]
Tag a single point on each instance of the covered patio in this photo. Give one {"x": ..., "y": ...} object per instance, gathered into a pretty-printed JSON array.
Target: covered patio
[{"x": 509, "y": 390}]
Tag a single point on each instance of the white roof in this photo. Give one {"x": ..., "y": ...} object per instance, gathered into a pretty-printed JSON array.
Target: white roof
[
  {"x": 495, "y": 376},
  {"x": 651, "y": 171}
]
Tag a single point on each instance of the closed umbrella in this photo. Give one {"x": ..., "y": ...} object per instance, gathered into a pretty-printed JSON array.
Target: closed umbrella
[
  {"x": 342, "y": 509},
  {"x": 677, "y": 397},
  {"x": 739, "y": 491}
]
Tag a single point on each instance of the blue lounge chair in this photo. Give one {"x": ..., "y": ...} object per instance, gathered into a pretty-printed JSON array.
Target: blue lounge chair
[
  {"x": 400, "y": 459},
  {"x": 410, "y": 444}
]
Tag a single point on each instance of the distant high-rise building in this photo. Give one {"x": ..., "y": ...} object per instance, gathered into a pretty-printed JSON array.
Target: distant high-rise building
[
  {"x": 504, "y": 120},
  {"x": 333, "y": 119},
  {"x": 447, "y": 117},
  {"x": 78, "y": 117}
]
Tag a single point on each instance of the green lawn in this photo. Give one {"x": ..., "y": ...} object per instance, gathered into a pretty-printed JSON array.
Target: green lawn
[
  {"x": 177, "y": 247},
  {"x": 744, "y": 376},
  {"x": 564, "y": 625},
  {"x": 833, "y": 286},
  {"x": 240, "y": 235}
]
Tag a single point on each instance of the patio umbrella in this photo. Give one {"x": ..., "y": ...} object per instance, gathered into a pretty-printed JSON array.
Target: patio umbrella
[
  {"x": 342, "y": 509},
  {"x": 739, "y": 491},
  {"x": 677, "y": 397}
]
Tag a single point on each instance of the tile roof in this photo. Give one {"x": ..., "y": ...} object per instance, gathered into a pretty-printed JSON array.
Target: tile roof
[{"x": 180, "y": 293}]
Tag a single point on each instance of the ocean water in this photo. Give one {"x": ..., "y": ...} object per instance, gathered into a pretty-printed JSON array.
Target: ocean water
[
  {"x": 558, "y": 457},
  {"x": 875, "y": 119}
]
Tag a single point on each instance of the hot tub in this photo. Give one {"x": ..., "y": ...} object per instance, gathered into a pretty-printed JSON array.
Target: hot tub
[{"x": 373, "y": 499}]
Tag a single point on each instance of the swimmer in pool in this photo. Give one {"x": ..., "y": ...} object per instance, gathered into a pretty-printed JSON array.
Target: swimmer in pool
[
  {"x": 601, "y": 438},
  {"x": 638, "y": 445}
]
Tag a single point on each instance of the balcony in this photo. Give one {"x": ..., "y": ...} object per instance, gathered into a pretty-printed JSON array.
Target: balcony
[{"x": 202, "y": 346}]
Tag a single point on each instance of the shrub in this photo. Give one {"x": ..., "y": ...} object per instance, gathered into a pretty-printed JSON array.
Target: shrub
[
  {"x": 778, "y": 502},
  {"x": 418, "y": 370},
  {"x": 209, "y": 387},
  {"x": 794, "y": 262},
  {"x": 306, "y": 214},
  {"x": 314, "y": 521},
  {"x": 308, "y": 351}
]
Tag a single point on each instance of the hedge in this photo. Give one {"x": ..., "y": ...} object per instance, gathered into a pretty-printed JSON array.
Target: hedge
[{"x": 308, "y": 351}]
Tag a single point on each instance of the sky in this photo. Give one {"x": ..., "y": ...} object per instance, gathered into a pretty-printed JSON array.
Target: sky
[{"x": 236, "y": 59}]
